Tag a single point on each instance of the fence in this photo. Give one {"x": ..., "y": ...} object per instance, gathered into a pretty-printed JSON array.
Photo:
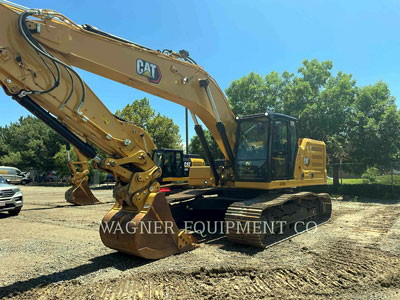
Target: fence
[
  {"x": 358, "y": 179},
  {"x": 357, "y": 173}
]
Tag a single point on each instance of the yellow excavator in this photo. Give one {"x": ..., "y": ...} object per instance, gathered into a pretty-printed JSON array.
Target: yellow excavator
[
  {"x": 264, "y": 157},
  {"x": 175, "y": 166}
]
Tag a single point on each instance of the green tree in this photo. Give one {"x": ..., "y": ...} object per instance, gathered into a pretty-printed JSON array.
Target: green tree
[
  {"x": 163, "y": 130},
  {"x": 357, "y": 124},
  {"x": 29, "y": 144},
  {"x": 3, "y": 142},
  {"x": 375, "y": 130},
  {"x": 13, "y": 159},
  {"x": 252, "y": 94}
]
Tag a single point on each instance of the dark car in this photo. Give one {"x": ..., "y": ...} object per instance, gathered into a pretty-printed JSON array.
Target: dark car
[
  {"x": 11, "y": 198},
  {"x": 52, "y": 177}
]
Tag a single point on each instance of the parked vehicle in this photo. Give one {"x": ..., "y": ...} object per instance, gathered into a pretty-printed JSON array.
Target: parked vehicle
[
  {"x": 11, "y": 198},
  {"x": 14, "y": 175},
  {"x": 52, "y": 177},
  {"x": 175, "y": 165}
]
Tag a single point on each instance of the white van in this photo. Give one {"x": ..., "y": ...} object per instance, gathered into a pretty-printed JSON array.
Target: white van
[{"x": 14, "y": 175}]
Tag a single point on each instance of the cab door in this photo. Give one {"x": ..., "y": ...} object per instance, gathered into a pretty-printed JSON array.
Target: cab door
[
  {"x": 168, "y": 164},
  {"x": 179, "y": 164},
  {"x": 283, "y": 148},
  {"x": 252, "y": 149},
  {"x": 279, "y": 149},
  {"x": 173, "y": 164}
]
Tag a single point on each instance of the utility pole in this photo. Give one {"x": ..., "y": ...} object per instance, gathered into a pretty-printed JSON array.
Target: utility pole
[
  {"x": 187, "y": 131},
  {"x": 391, "y": 178}
]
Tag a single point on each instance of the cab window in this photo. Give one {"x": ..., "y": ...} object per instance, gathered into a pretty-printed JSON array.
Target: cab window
[
  {"x": 293, "y": 145},
  {"x": 252, "y": 150},
  {"x": 280, "y": 150},
  {"x": 179, "y": 164},
  {"x": 169, "y": 164},
  {"x": 157, "y": 158},
  {"x": 284, "y": 149}
]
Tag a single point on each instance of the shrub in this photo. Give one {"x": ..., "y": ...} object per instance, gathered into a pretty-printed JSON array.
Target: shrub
[
  {"x": 370, "y": 176},
  {"x": 387, "y": 179}
]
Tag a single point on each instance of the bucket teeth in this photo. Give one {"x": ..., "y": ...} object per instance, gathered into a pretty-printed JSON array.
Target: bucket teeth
[
  {"x": 150, "y": 233},
  {"x": 81, "y": 195}
]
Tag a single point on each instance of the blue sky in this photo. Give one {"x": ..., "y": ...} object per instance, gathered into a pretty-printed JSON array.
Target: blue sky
[{"x": 232, "y": 38}]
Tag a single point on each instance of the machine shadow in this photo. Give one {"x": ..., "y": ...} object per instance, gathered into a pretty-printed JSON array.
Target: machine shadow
[
  {"x": 116, "y": 260},
  {"x": 223, "y": 243},
  {"x": 48, "y": 207},
  {"x": 67, "y": 206},
  {"x": 4, "y": 215}
]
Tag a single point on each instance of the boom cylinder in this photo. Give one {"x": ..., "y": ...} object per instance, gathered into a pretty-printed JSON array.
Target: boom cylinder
[
  {"x": 52, "y": 122},
  {"x": 210, "y": 158},
  {"x": 220, "y": 125}
]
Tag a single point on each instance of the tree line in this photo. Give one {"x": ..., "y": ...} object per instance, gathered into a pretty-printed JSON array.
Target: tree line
[
  {"x": 359, "y": 124},
  {"x": 29, "y": 144}
]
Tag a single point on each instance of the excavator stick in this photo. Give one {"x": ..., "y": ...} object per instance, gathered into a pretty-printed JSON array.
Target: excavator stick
[
  {"x": 150, "y": 233},
  {"x": 79, "y": 193}
]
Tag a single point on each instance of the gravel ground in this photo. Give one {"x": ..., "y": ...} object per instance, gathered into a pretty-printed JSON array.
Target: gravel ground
[{"x": 52, "y": 250}]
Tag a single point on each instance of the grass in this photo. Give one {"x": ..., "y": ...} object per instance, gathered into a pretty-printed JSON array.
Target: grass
[
  {"x": 348, "y": 181},
  {"x": 383, "y": 179}
]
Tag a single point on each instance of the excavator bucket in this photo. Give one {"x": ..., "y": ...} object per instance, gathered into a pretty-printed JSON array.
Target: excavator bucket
[
  {"x": 81, "y": 195},
  {"x": 150, "y": 233}
]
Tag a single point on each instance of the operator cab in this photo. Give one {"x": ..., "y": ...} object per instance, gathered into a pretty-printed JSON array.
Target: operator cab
[
  {"x": 266, "y": 147},
  {"x": 171, "y": 163}
]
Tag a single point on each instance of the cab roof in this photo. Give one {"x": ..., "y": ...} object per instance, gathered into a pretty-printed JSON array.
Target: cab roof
[{"x": 269, "y": 114}]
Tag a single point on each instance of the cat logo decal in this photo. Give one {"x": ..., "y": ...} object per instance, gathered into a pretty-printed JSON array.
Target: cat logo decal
[{"x": 149, "y": 70}]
